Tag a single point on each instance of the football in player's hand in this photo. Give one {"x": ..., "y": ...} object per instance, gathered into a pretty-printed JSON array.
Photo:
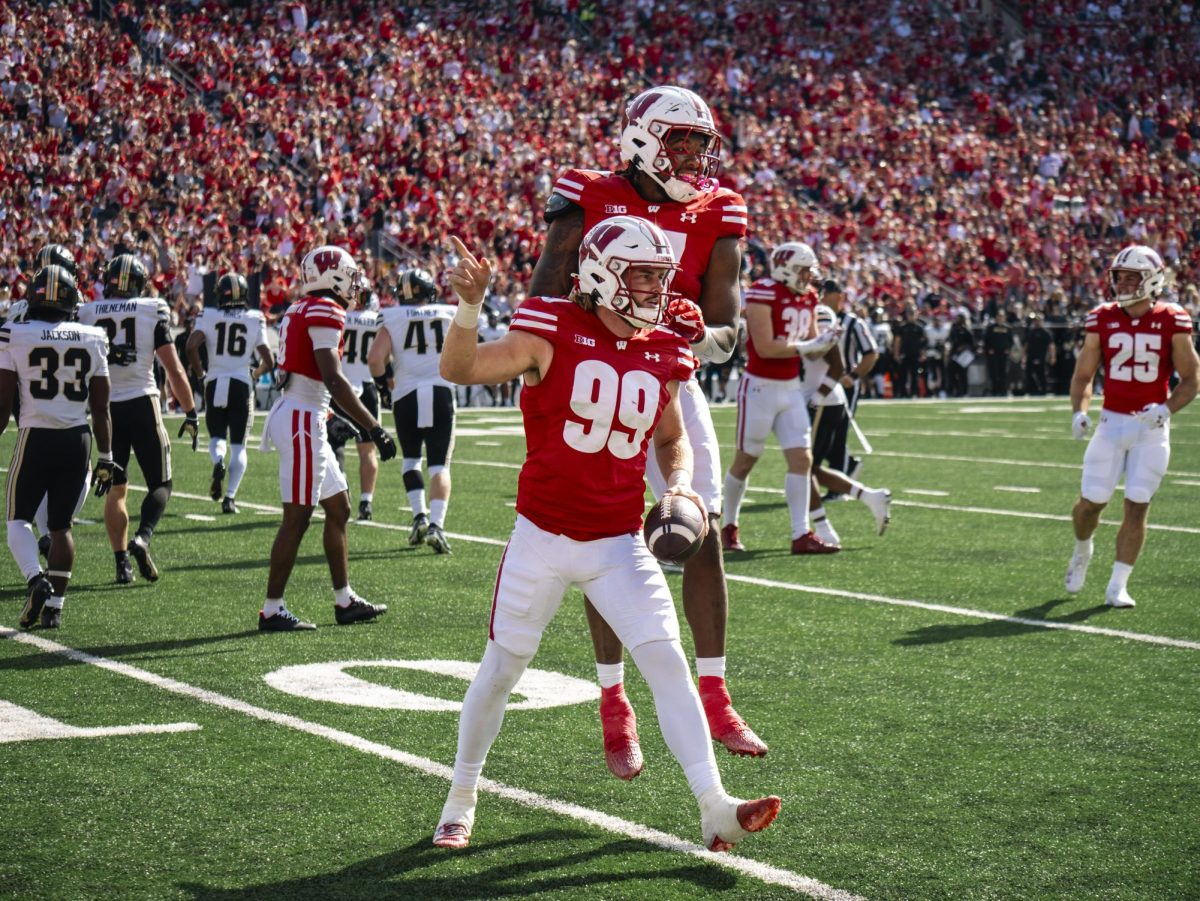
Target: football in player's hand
[{"x": 674, "y": 529}]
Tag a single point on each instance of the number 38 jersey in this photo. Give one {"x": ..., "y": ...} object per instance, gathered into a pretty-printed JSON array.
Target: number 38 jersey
[
  {"x": 417, "y": 334},
  {"x": 54, "y": 363},
  {"x": 361, "y": 326},
  {"x": 791, "y": 318},
  {"x": 589, "y": 420},
  {"x": 232, "y": 337},
  {"x": 1137, "y": 353},
  {"x": 142, "y": 323}
]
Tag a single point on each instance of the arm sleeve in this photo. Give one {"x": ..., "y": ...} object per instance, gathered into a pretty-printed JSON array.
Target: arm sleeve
[
  {"x": 6, "y": 360},
  {"x": 324, "y": 338},
  {"x": 99, "y": 356},
  {"x": 162, "y": 334}
]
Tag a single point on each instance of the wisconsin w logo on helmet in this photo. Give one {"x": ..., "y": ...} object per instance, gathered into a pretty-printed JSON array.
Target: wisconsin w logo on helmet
[
  {"x": 331, "y": 271},
  {"x": 609, "y": 250}
]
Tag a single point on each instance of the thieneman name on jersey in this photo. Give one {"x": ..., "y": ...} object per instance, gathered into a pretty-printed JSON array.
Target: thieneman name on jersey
[{"x": 142, "y": 323}]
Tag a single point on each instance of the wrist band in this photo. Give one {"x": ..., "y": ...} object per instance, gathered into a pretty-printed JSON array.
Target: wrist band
[
  {"x": 467, "y": 315},
  {"x": 104, "y": 457},
  {"x": 829, "y": 383}
]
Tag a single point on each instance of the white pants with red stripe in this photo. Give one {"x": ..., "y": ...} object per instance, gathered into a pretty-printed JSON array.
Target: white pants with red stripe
[
  {"x": 1124, "y": 446},
  {"x": 308, "y": 470},
  {"x": 771, "y": 405}
]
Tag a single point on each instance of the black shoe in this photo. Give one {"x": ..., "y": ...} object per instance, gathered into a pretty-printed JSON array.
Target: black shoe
[
  {"x": 228, "y": 506},
  {"x": 436, "y": 539},
  {"x": 44, "y": 546},
  {"x": 832, "y": 496},
  {"x": 141, "y": 554},
  {"x": 420, "y": 526},
  {"x": 124, "y": 571},
  {"x": 39, "y": 592},
  {"x": 358, "y": 611},
  {"x": 283, "y": 621},
  {"x": 51, "y": 617},
  {"x": 364, "y": 511},
  {"x": 214, "y": 490}
]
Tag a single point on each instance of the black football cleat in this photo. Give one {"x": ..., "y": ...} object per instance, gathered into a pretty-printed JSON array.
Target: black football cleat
[
  {"x": 218, "y": 476},
  {"x": 436, "y": 539},
  {"x": 141, "y": 555},
  {"x": 44, "y": 546},
  {"x": 357, "y": 611},
  {"x": 365, "y": 513},
  {"x": 39, "y": 592},
  {"x": 283, "y": 621},
  {"x": 51, "y": 617},
  {"x": 228, "y": 506},
  {"x": 124, "y": 571},
  {"x": 420, "y": 528}
]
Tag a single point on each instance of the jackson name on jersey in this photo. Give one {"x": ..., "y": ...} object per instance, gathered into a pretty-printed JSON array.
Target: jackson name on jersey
[
  {"x": 54, "y": 363},
  {"x": 142, "y": 323}
]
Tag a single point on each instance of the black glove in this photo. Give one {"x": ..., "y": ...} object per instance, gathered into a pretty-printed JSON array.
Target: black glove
[
  {"x": 385, "y": 393},
  {"x": 102, "y": 477},
  {"x": 383, "y": 441},
  {"x": 191, "y": 426},
  {"x": 121, "y": 355}
]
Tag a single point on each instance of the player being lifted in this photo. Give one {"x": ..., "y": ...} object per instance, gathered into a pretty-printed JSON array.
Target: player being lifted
[
  {"x": 599, "y": 376},
  {"x": 233, "y": 335},
  {"x": 362, "y": 325},
  {"x": 672, "y": 152},
  {"x": 139, "y": 328},
  {"x": 310, "y": 339},
  {"x": 411, "y": 337},
  {"x": 60, "y": 370},
  {"x": 1140, "y": 341}
]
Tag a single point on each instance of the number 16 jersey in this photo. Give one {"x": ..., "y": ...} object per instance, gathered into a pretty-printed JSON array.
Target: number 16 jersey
[
  {"x": 142, "y": 323},
  {"x": 1137, "y": 353},
  {"x": 232, "y": 336},
  {"x": 54, "y": 363}
]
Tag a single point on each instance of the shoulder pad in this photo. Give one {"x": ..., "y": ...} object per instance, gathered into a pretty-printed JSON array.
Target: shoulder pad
[{"x": 556, "y": 205}]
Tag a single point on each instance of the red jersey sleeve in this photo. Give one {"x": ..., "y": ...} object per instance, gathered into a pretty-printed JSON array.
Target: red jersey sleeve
[
  {"x": 538, "y": 315},
  {"x": 730, "y": 215},
  {"x": 321, "y": 312},
  {"x": 571, "y": 188}
]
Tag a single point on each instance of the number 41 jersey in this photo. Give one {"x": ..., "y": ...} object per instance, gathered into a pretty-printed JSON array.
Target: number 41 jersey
[
  {"x": 588, "y": 422},
  {"x": 54, "y": 363},
  {"x": 417, "y": 334},
  {"x": 142, "y": 323},
  {"x": 232, "y": 336},
  {"x": 1137, "y": 353}
]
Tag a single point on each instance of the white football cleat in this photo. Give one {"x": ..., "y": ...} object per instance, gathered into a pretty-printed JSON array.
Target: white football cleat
[
  {"x": 879, "y": 501},
  {"x": 1118, "y": 597},
  {"x": 727, "y": 820},
  {"x": 825, "y": 531},
  {"x": 458, "y": 818},
  {"x": 1077, "y": 572}
]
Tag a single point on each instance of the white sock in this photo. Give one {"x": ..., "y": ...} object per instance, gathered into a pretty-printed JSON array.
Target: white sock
[
  {"x": 483, "y": 712},
  {"x": 735, "y": 490},
  {"x": 856, "y": 489},
  {"x": 1083, "y": 547},
  {"x": 216, "y": 450},
  {"x": 610, "y": 674},
  {"x": 416, "y": 500},
  {"x": 817, "y": 514},
  {"x": 796, "y": 488},
  {"x": 343, "y": 596},
  {"x": 437, "y": 512},
  {"x": 42, "y": 517},
  {"x": 271, "y": 606},
  {"x": 24, "y": 548},
  {"x": 367, "y": 496},
  {"x": 237, "y": 469},
  {"x": 710, "y": 666},
  {"x": 55, "y": 601},
  {"x": 680, "y": 715},
  {"x": 1120, "y": 575}
]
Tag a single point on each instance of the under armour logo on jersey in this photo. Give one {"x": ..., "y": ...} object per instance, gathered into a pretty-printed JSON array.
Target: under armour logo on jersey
[
  {"x": 653, "y": 356},
  {"x": 1114, "y": 325},
  {"x": 621, "y": 345},
  {"x": 615, "y": 209},
  {"x": 1155, "y": 325},
  {"x": 688, "y": 217}
]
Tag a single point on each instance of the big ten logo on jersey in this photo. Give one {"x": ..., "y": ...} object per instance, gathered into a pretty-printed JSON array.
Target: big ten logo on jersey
[
  {"x": 585, "y": 340},
  {"x": 599, "y": 395},
  {"x": 615, "y": 209}
]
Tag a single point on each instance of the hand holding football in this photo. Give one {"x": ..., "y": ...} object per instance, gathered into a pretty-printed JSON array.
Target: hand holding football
[{"x": 674, "y": 528}]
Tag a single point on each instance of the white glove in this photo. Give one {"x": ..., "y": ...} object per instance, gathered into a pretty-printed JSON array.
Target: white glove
[
  {"x": 1154, "y": 415},
  {"x": 817, "y": 346},
  {"x": 1080, "y": 426}
]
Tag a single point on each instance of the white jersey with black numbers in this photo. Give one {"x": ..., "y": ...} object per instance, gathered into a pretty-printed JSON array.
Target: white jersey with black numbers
[
  {"x": 361, "y": 327},
  {"x": 810, "y": 382},
  {"x": 418, "y": 333},
  {"x": 55, "y": 363},
  {"x": 232, "y": 337},
  {"x": 143, "y": 323}
]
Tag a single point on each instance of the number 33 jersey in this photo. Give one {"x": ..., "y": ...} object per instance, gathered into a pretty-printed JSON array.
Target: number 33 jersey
[
  {"x": 142, "y": 323},
  {"x": 589, "y": 420},
  {"x": 55, "y": 363},
  {"x": 1137, "y": 353},
  {"x": 232, "y": 337}
]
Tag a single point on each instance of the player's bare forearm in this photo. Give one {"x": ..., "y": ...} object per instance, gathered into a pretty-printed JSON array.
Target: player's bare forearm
[
  {"x": 266, "y": 362},
  {"x": 342, "y": 392},
  {"x": 672, "y": 449},
  {"x": 837, "y": 363},
  {"x": 98, "y": 393},
  {"x": 380, "y": 353},
  {"x": 8, "y": 390},
  {"x": 560, "y": 256},
  {"x": 177, "y": 379},
  {"x": 720, "y": 296},
  {"x": 1187, "y": 364},
  {"x": 761, "y": 332},
  {"x": 192, "y": 348}
]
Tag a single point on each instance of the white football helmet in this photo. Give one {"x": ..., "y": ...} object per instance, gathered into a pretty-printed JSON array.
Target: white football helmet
[
  {"x": 329, "y": 268},
  {"x": 826, "y": 317},
  {"x": 795, "y": 265},
  {"x": 608, "y": 250},
  {"x": 1138, "y": 258},
  {"x": 649, "y": 118}
]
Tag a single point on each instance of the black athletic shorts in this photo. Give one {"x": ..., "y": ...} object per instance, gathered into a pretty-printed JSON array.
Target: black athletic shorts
[
  {"x": 137, "y": 425},
  {"x": 231, "y": 420},
  {"x": 50, "y": 463},
  {"x": 826, "y": 433},
  {"x": 437, "y": 438}
]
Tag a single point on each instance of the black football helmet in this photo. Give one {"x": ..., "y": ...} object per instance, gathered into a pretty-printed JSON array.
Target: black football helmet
[
  {"x": 56, "y": 255},
  {"x": 53, "y": 288},
  {"x": 232, "y": 291},
  {"x": 415, "y": 286},
  {"x": 125, "y": 276}
]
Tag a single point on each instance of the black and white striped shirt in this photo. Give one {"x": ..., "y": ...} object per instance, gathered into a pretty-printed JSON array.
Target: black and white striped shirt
[{"x": 857, "y": 340}]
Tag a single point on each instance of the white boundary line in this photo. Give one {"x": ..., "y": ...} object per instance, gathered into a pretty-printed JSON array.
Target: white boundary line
[{"x": 754, "y": 869}]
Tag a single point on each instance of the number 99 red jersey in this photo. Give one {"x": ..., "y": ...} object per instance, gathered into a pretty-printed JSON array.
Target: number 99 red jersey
[
  {"x": 1137, "y": 353},
  {"x": 588, "y": 422}
]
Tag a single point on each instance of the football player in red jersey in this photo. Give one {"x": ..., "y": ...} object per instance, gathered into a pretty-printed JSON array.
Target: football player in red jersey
[
  {"x": 672, "y": 149},
  {"x": 1140, "y": 341},
  {"x": 310, "y": 340},
  {"x": 602, "y": 383},
  {"x": 781, "y": 326}
]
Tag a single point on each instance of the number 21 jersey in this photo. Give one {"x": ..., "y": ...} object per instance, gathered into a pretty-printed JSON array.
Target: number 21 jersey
[
  {"x": 1137, "y": 353},
  {"x": 54, "y": 363},
  {"x": 142, "y": 323}
]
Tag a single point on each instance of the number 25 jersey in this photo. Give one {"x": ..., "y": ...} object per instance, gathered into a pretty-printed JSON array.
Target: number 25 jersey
[
  {"x": 589, "y": 420},
  {"x": 140, "y": 322},
  {"x": 1137, "y": 353},
  {"x": 54, "y": 363}
]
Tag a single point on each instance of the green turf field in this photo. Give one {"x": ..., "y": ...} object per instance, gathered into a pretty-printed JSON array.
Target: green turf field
[{"x": 930, "y": 735}]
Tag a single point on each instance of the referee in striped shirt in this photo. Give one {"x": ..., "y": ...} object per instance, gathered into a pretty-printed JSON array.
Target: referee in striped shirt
[{"x": 860, "y": 353}]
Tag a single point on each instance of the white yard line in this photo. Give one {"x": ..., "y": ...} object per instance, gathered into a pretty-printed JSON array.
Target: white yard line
[
  {"x": 1016, "y": 489},
  {"x": 598, "y": 819}
]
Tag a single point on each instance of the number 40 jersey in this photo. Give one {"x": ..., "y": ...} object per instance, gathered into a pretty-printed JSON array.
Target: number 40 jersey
[
  {"x": 417, "y": 333},
  {"x": 54, "y": 363}
]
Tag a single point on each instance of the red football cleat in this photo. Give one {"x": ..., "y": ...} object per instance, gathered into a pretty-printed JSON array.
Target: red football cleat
[
  {"x": 457, "y": 835},
  {"x": 729, "y": 538},
  {"x": 724, "y": 826},
  {"x": 622, "y": 751},
  {"x": 724, "y": 724},
  {"x": 809, "y": 543}
]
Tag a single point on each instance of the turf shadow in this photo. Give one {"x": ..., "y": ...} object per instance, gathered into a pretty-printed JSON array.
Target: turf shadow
[
  {"x": 116, "y": 651},
  {"x": 476, "y": 873},
  {"x": 939, "y": 634}
]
